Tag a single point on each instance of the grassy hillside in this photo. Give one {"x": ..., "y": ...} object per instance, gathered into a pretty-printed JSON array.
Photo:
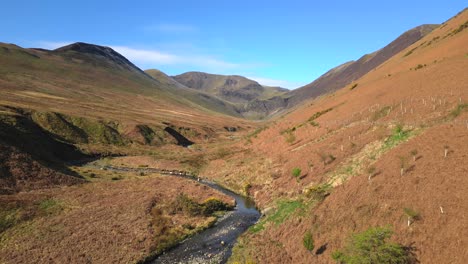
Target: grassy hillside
[
  {"x": 388, "y": 151},
  {"x": 96, "y": 81}
]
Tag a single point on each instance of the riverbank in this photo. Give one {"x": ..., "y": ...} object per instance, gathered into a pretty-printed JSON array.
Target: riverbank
[{"x": 109, "y": 219}]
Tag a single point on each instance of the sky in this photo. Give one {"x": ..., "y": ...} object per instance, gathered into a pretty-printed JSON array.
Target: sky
[{"x": 278, "y": 43}]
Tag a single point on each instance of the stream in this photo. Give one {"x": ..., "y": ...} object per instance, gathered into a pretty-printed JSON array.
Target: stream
[{"x": 213, "y": 245}]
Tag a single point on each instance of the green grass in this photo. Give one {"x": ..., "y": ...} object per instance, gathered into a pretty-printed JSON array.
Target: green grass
[
  {"x": 283, "y": 211},
  {"x": 296, "y": 172},
  {"x": 50, "y": 206},
  {"x": 308, "y": 241},
  {"x": 8, "y": 218},
  {"x": 372, "y": 246},
  {"x": 458, "y": 110},
  {"x": 256, "y": 132},
  {"x": 399, "y": 135},
  {"x": 380, "y": 113}
]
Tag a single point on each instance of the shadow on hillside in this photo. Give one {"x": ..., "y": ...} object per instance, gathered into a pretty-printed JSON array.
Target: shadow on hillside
[
  {"x": 181, "y": 140},
  {"x": 411, "y": 253}
]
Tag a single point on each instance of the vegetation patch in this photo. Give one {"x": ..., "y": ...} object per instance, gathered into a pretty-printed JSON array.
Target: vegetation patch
[
  {"x": 290, "y": 137},
  {"x": 296, "y": 172},
  {"x": 409, "y": 52},
  {"x": 167, "y": 235},
  {"x": 184, "y": 204},
  {"x": 460, "y": 28},
  {"x": 399, "y": 135},
  {"x": 255, "y": 133},
  {"x": 372, "y": 246},
  {"x": 308, "y": 241},
  {"x": 283, "y": 211},
  {"x": 319, "y": 114},
  {"x": 8, "y": 218},
  {"x": 50, "y": 206},
  {"x": 458, "y": 110},
  {"x": 418, "y": 67},
  {"x": 318, "y": 192},
  {"x": 384, "y": 111},
  {"x": 56, "y": 124}
]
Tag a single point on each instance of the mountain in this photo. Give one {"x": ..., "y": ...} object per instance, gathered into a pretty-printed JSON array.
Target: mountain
[
  {"x": 345, "y": 73},
  {"x": 90, "y": 95},
  {"x": 232, "y": 88},
  {"x": 388, "y": 153},
  {"x": 348, "y": 72},
  {"x": 80, "y": 74},
  {"x": 252, "y": 100},
  {"x": 103, "y": 54}
]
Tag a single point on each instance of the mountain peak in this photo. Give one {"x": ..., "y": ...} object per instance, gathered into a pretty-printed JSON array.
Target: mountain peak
[{"x": 100, "y": 51}]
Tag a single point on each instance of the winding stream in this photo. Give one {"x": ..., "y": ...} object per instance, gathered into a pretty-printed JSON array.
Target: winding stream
[{"x": 213, "y": 245}]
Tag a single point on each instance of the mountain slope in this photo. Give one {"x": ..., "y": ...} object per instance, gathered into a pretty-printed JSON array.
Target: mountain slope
[
  {"x": 345, "y": 73},
  {"x": 81, "y": 75},
  {"x": 232, "y": 88},
  {"x": 389, "y": 152},
  {"x": 351, "y": 71}
]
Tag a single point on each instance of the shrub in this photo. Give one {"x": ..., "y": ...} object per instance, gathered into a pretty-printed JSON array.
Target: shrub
[
  {"x": 290, "y": 137},
  {"x": 296, "y": 172},
  {"x": 308, "y": 241},
  {"x": 371, "y": 246},
  {"x": 319, "y": 114},
  {"x": 412, "y": 215},
  {"x": 403, "y": 165},
  {"x": 353, "y": 86},
  {"x": 319, "y": 192},
  {"x": 384, "y": 111},
  {"x": 371, "y": 171},
  {"x": 212, "y": 205},
  {"x": 414, "y": 153},
  {"x": 247, "y": 187},
  {"x": 186, "y": 205}
]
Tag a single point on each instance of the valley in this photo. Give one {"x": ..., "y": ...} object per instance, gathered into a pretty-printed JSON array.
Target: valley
[{"x": 102, "y": 162}]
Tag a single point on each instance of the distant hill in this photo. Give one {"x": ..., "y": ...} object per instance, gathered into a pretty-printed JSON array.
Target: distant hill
[
  {"x": 251, "y": 99},
  {"x": 232, "y": 88}
]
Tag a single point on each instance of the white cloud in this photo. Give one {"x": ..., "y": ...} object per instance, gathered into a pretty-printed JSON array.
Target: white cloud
[
  {"x": 274, "y": 82},
  {"x": 152, "y": 58},
  {"x": 156, "y": 58},
  {"x": 52, "y": 44}
]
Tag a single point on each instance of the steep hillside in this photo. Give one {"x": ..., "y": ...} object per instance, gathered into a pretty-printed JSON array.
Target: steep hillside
[
  {"x": 345, "y": 73},
  {"x": 389, "y": 151}
]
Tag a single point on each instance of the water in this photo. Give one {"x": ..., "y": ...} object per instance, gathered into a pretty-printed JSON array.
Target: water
[{"x": 213, "y": 245}]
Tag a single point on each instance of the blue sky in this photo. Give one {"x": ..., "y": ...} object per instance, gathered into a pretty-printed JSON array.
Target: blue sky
[{"x": 287, "y": 43}]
